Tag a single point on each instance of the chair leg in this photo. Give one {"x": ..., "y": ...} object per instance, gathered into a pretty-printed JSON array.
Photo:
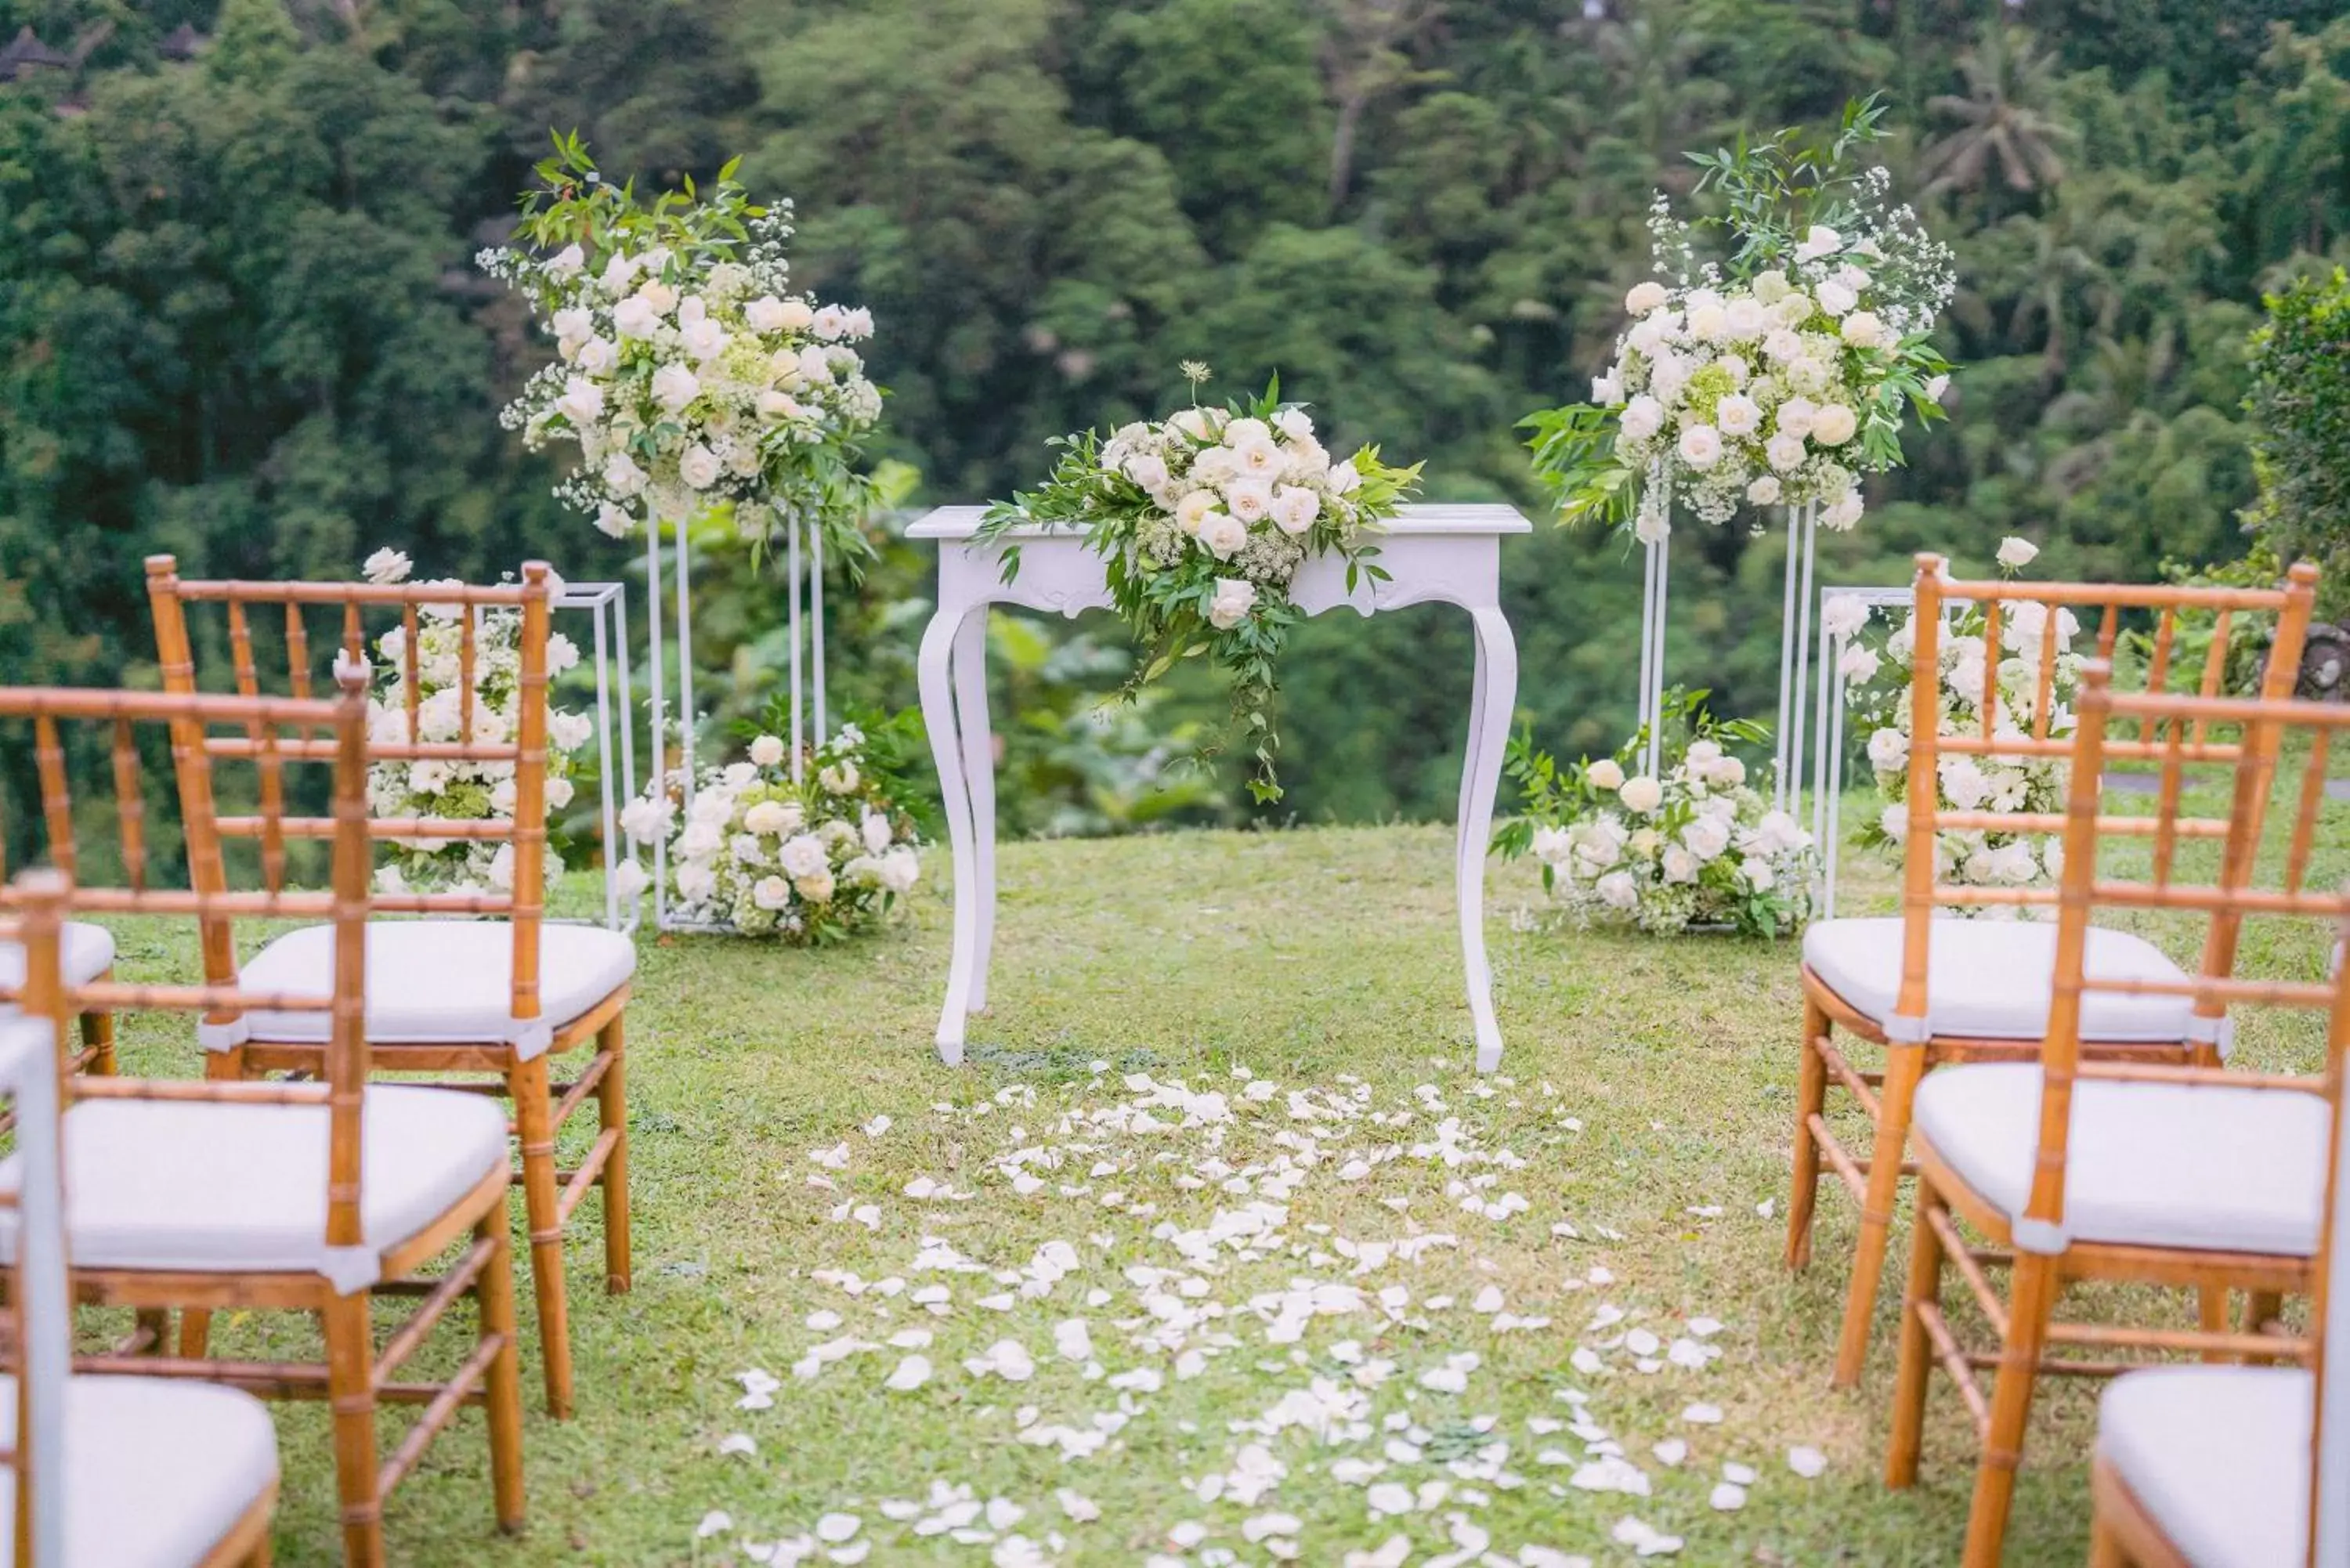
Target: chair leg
[
  {"x": 501, "y": 1389},
  {"x": 2261, "y": 1309},
  {"x": 1904, "y": 1065},
  {"x": 612, "y": 1116},
  {"x": 2212, "y": 1315},
  {"x": 542, "y": 1202},
  {"x": 261, "y": 1557},
  {"x": 98, "y": 1038},
  {"x": 350, "y": 1367},
  {"x": 2030, "y": 1301},
  {"x": 2105, "y": 1548},
  {"x": 1811, "y": 1098},
  {"x": 1917, "y": 1361},
  {"x": 195, "y": 1333}
]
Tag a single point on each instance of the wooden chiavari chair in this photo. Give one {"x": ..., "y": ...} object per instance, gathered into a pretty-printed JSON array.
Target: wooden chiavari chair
[
  {"x": 2237, "y": 1466},
  {"x": 87, "y": 949},
  {"x": 1926, "y": 990},
  {"x": 2155, "y": 1174},
  {"x": 444, "y": 996},
  {"x": 102, "y": 1472},
  {"x": 310, "y": 1197}
]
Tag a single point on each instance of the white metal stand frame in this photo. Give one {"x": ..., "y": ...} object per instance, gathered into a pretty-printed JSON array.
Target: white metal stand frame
[
  {"x": 1434, "y": 554},
  {"x": 606, "y": 605},
  {"x": 1794, "y": 652},
  {"x": 804, "y": 540}
]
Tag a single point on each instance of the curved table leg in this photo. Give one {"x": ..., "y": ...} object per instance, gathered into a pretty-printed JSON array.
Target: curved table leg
[
  {"x": 933, "y": 668},
  {"x": 979, "y": 781},
  {"x": 1494, "y": 700}
]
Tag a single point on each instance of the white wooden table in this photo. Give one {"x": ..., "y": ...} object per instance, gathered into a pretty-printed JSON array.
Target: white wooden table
[{"x": 1450, "y": 555}]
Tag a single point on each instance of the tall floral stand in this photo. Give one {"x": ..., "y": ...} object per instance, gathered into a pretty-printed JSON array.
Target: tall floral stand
[
  {"x": 1794, "y": 652},
  {"x": 804, "y": 563}
]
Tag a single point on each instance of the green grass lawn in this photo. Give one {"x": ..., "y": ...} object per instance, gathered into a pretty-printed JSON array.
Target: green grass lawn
[{"x": 1645, "y": 1102}]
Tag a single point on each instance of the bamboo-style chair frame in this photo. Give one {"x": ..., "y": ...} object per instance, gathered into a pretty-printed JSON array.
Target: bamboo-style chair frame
[
  {"x": 541, "y": 1105},
  {"x": 2041, "y": 1257},
  {"x": 96, "y": 1054},
  {"x": 1884, "y": 1096},
  {"x": 39, "y": 1308},
  {"x": 357, "y": 1376}
]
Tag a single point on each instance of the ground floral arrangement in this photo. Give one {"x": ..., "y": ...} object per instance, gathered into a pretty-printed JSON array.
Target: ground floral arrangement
[
  {"x": 466, "y": 792},
  {"x": 1778, "y": 376},
  {"x": 1693, "y": 846},
  {"x": 1876, "y": 670},
  {"x": 1366, "y": 1277},
  {"x": 757, "y": 853},
  {"x": 1203, "y": 519},
  {"x": 687, "y": 370}
]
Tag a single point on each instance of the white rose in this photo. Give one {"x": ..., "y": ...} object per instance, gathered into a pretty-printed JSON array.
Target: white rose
[
  {"x": 621, "y": 475},
  {"x": 567, "y": 262},
  {"x": 1845, "y": 614},
  {"x": 767, "y": 751},
  {"x": 1894, "y": 821},
  {"x": 599, "y": 357},
  {"x": 1249, "y": 499},
  {"x": 633, "y": 318},
  {"x": 1608, "y": 389},
  {"x": 1293, "y": 423},
  {"x": 1641, "y": 794},
  {"x": 1702, "y": 753},
  {"x": 630, "y": 880},
  {"x": 775, "y": 817},
  {"x": 816, "y": 888},
  {"x": 777, "y": 405},
  {"x": 582, "y": 402},
  {"x": 1834, "y": 298},
  {"x": 703, "y": 339},
  {"x": 1737, "y": 415},
  {"x": 645, "y": 818},
  {"x": 1294, "y": 508},
  {"x": 2016, "y": 554},
  {"x": 841, "y": 778},
  {"x": 658, "y": 294},
  {"x": 1235, "y": 595},
  {"x": 1728, "y": 772},
  {"x": 1605, "y": 773},
  {"x": 798, "y": 315},
  {"x": 573, "y": 327},
  {"x": 900, "y": 869},
  {"x": 696, "y": 883},
  {"x": 1963, "y": 785},
  {"x": 1643, "y": 417},
  {"x": 1700, "y": 446},
  {"x": 618, "y": 271},
  {"x": 1709, "y": 323},
  {"x": 1706, "y": 836},
  {"x": 1195, "y": 505},
  {"x": 1344, "y": 478},
  {"x": 1936, "y": 385},
  {"x": 699, "y": 466},
  {"x": 1821, "y": 241},
  {"x": 1244, "y": 432},
  {"x": 1862, "y": 329},
  {"x": 1147, "y": 469},
  {"x": 1223, "y": 534},
  {"x": 1843, "y": 513},
  {"x": 1747, "y": 320},
  {"x": 803, "y": 856},
  {"x": 1783, "y": 344},
  {"x": 1764, "y": 491},
  {"x": 1678, "y": 864},
  {"x": 1834, "y": 424},
  {"x": 765, "y": 314},
  {"x": 1618, "y": 890},
  {"x": 1645, "y": 297},
  {"x": 674, "y": 386},
  {"x": 387, "y": 565},
  {"x": 612, "y": 520},
  {"x": 1758, "y": 874},
  {"x": 771, "y": 892},
  {"x": 1261, "y": 457},
  {"x": 815, "y": 366},
  {"x": 875, "y": 831},
  {"x": 1858, "y": 663}
]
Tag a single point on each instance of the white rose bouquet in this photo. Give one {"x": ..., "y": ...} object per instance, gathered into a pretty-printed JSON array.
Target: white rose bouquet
[
  {"x": 1203, "y": 519},
  {"x": 688, "y": 372},
  {"x": 1780, "y": 378},
  {"x": 1877, "y": 692},
  {"x": 757, "y": 853},
  {"x": 467, "y": 792},
  {"x": 1696, "y": 847}
]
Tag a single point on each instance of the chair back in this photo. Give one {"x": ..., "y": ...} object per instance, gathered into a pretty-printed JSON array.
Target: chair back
[
  {"x": 2017, "y": 660},
  {"x": 40, "y": 1298},
  {"x": 338, "y": 728},
  {"x": 396, "y": 733}
]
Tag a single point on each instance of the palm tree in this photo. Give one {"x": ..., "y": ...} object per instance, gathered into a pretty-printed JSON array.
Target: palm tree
[{"x": 2003, "y": 123}]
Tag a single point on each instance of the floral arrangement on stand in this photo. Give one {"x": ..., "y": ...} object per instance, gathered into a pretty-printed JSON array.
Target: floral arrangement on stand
[
  {"x": 1780, "y": 375},
  {"x": 688, "y": 372},
  {"x": 1692, "y": 847},
  {"x": 466, "y": 792},
  {"x": 1877, "y": 673},
  {"x": 1203, "y": 519},
  {"x": 808, "y": 861}
]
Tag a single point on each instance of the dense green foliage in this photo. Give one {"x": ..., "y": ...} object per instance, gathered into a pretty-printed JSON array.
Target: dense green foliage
[
  {"x": 2300, "y": 406},
  {"x": 240, "y": 320}
]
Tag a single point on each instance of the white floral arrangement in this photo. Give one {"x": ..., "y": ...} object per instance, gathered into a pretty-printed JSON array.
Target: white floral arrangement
[
  {"x": 1203, "y": 519},
  {"x": 758, "y": 854},
  {"x": 688, "y": 371},
  {"x": 1779, "y": 378},
  {"x": 459, "y": 790},
  {"x": 1877, "y": 693},
  {"x": 1693, "y": 847}
]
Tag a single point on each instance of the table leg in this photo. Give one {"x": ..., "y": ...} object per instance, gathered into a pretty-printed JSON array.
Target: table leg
[
  {"x": 1493, "y": 702},
  {"x": 979, "y": 781},
  {"x": 934, "y": 669}
]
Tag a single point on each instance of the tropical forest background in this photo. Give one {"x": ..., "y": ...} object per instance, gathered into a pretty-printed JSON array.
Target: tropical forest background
[{"x": 240, "y": 319}]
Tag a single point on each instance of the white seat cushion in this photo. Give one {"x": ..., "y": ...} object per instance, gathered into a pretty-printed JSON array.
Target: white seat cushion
[
  {"x": 154, "y": 1184},
  {"x": 2165, "y": 1165},
  {"x": 1991, "y": 980},
  {"x": 157, "y": 1471},
  {"x": 440, "y": 981},
  {"x": 2219, "y": 1455},
  {"x": 85, "y": 951}
]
